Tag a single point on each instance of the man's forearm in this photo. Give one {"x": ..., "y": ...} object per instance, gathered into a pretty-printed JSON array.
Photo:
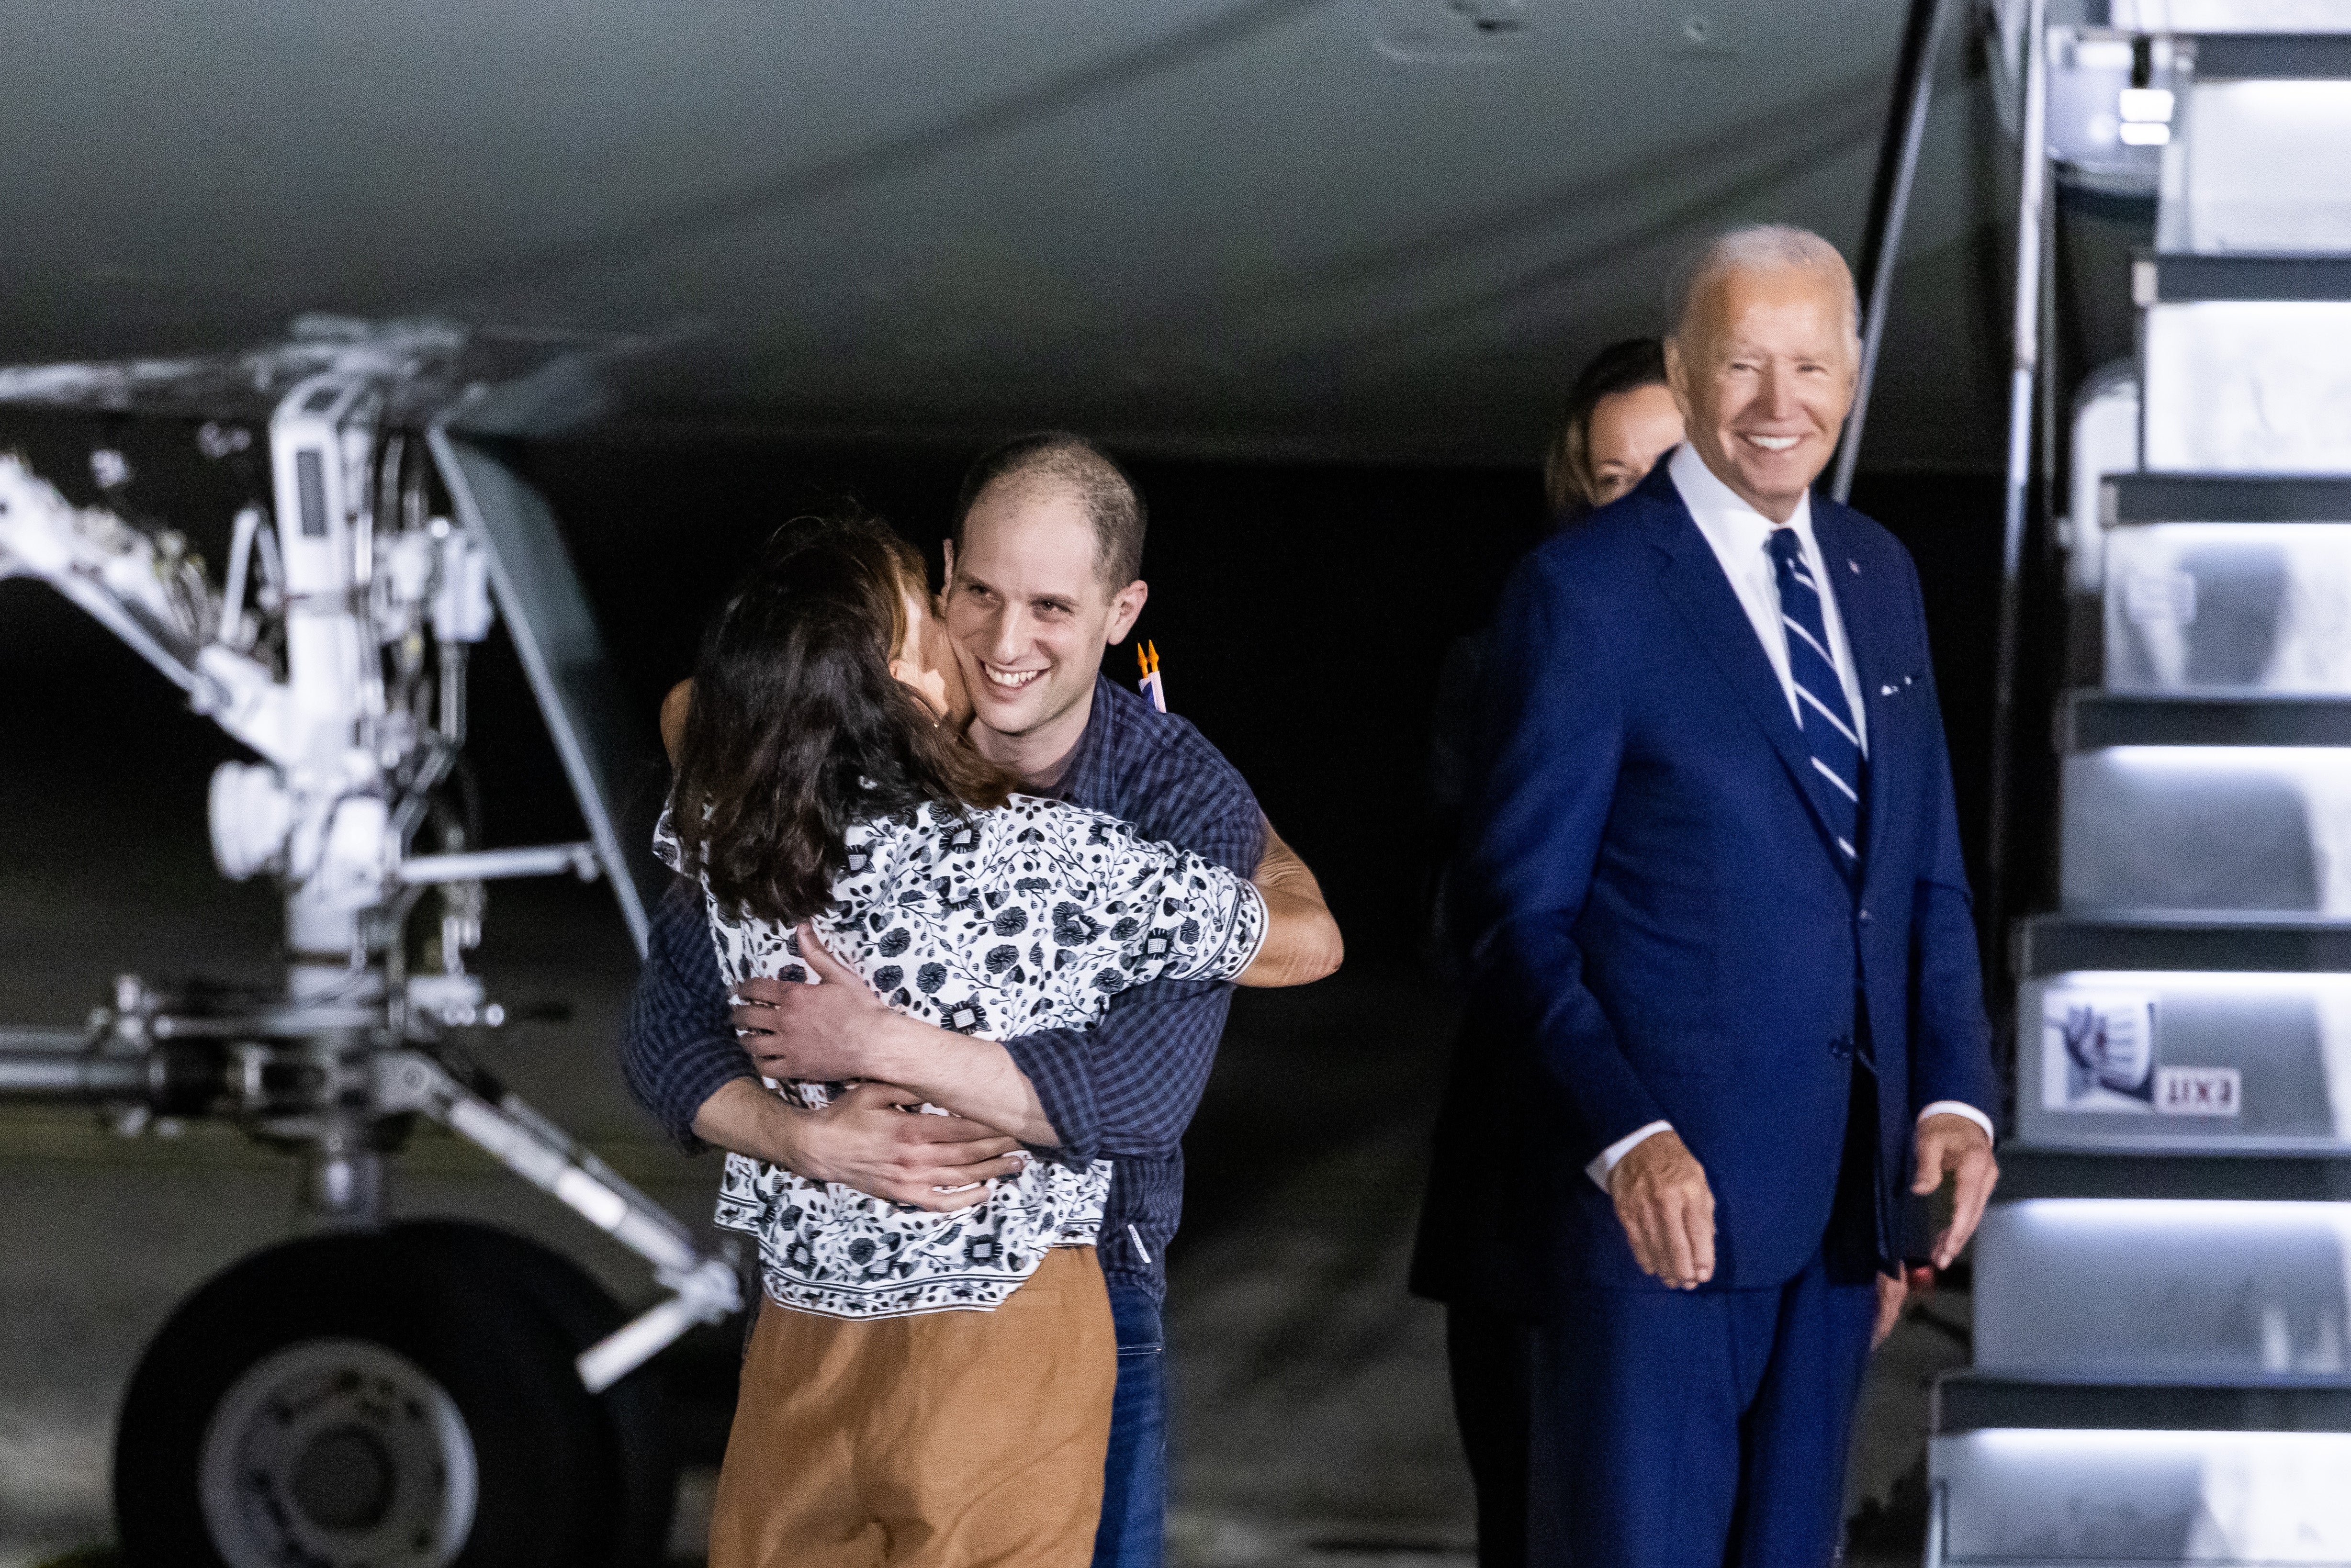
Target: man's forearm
[
  {"x": 1301, "y": 941},
  {"x": 679, "y": 1046},
  {"x": 1128, "y": 1087}
]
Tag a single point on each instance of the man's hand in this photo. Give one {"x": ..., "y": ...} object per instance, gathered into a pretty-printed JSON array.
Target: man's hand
[
  {"x": 862, "y": 1140},
  {"x": 1956, "y": 1147},
  {"x": 1892, "y": 1295},
  {"x": 827, "y": 1032},
  {"x": 1667, "y": 1210},
  {"x": 1915, "y": 1283},
  {"x": 841, "y": 1029}
]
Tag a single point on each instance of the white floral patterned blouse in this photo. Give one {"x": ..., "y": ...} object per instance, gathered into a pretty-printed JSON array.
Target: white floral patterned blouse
[{"x": 994, "y": 924}]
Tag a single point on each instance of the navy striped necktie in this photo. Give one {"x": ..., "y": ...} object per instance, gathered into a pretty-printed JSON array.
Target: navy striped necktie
[{"x": 1822, "y": 710}]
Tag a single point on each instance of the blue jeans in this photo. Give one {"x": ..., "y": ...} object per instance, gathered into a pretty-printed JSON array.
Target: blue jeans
[{"x": 1134, "y": 1481}]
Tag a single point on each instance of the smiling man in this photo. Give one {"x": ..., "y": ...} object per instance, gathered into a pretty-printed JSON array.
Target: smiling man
[
  {"x": 1044, "y": 575},
  {"x": 1044, "y": 572},
  {"x": 1724, "y": 984}
]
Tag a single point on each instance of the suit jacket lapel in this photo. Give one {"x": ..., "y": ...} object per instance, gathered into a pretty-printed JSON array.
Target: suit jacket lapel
[{"x": 1694, "y": 580}]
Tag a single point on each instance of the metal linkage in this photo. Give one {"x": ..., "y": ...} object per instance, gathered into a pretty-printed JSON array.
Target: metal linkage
[{"x": 499, "y": 1123}]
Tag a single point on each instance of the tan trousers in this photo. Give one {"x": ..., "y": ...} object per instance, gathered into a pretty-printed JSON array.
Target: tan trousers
[{"x": 947, "y": 1440}]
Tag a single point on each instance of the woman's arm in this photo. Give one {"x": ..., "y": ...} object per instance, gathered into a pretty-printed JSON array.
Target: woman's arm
[
  {"x": 673, "y": 718},
  {"x": 841, "y": 1030},
  {"x": 1301, "y": 941}
]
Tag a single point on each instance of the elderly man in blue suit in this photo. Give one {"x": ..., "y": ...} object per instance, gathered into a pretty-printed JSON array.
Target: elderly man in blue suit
[{"x": 1726, "y": 989}]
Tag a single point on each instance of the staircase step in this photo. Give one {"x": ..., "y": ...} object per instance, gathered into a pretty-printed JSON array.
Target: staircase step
[
  {"x": 2185, "y": 279},
  {"x": 2274, "y": 57},
  {"x": 2029, "y": 1170},
  {"x": 1975, "y": 1402},
  {"x": 2092, "y": 720},
  {"x": 2096, "y": 1490},
  {"x": 2244, "y": 829},
  {"x": 2122, "y": 1061},
  {"x": 2246, "y": 944},
  {"x": 2193, "y": 16},
  {"x": 2136, "y": 499},
  {"x": 2150, "y": 1290},
  {"x": 2252, "y": 170},
  {"x": 2228, "y": 608},
  {"x": 2248, "y": 386}
]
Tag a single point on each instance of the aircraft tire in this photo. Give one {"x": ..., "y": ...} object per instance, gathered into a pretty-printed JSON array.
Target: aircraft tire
[{"x": 403, "y": 1399}]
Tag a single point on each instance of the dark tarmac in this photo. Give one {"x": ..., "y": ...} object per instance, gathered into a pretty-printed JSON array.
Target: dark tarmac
[{"x": 1311, "y": 1420}]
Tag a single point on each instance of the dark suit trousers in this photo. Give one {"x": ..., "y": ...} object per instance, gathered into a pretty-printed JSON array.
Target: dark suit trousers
[
  {"x": 1708, "y": 1428},
  {"x": 1488, "y": 1354}
]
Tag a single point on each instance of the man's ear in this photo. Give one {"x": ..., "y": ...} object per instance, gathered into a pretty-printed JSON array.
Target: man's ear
[
  {"x": 1125, "y": 606},
  {"x": 1678, "y": 377},
  {"x": 947, "y": 579}
]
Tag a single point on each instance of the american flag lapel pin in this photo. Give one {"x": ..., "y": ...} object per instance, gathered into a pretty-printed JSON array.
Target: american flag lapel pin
[{"x": 1147, "y": 654}]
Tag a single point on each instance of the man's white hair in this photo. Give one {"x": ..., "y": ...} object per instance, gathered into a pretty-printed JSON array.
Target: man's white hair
[{"x": 1765, "y": 247}]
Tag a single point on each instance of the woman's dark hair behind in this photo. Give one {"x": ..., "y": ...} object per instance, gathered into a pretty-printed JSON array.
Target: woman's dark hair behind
[
  {"x": 1621, "y": 367},
  {"x": 797, "y": 729}
]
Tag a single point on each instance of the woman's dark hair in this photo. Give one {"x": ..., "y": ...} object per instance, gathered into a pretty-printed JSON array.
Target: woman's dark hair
[
  {"x": 1623, "y": 367},
  {"x": 797, "y": 729}
]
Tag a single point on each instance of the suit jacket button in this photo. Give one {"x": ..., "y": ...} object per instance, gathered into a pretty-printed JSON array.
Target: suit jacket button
[
  {"x": 1841, "y": 1047},
  {"x": 1865, "y": 917}
]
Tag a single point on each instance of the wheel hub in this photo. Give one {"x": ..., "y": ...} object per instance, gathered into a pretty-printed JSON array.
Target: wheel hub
[
  {"x": 344, "y": 1480},
  {"x": 337, "y": 1453}
]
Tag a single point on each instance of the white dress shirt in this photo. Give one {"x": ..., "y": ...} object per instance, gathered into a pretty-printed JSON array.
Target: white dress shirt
[{"x": 1740, "y": 538}]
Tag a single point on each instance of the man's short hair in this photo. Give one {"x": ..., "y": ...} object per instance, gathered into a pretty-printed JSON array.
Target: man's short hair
[
  {"x": 1763, "y": 248},
  {"x": 1057, "y": 458}
]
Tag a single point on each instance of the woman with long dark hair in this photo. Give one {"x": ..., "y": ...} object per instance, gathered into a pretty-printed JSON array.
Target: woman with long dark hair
[
  {"x": 950, "y": 1373},
  {"x": 1621, "y": 417}
]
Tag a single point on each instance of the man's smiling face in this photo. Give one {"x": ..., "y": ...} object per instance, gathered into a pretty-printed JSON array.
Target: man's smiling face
[
  {"x": 1764, "y": 368},
  {"x": 1029, "y": 616}
]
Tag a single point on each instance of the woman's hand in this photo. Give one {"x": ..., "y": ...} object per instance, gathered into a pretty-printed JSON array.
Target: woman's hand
[
  {"x": 864, "y": 1141},
  {"x": 839, "y": 1028}
]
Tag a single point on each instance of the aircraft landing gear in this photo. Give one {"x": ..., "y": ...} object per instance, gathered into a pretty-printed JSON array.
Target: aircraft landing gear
[
  {"x": 424, "y": 1397},
  {"x": 405, "y": 1399}
]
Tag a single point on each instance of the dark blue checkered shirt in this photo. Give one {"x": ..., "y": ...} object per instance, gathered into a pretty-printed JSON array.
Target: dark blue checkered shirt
[{"x": 1123, "y": 1091}]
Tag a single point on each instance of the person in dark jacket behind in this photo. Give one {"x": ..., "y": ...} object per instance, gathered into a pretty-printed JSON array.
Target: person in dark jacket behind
[{"x": 1621, "y": 417}]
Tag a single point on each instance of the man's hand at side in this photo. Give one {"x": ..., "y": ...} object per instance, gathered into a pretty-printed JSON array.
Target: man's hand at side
[
  {"x": 862, "y": 1140},
  {"x": 1892, "y": 1295},
  {"x": 1955, "y": 1147},
  {"x": 1667, "y": 1210}
]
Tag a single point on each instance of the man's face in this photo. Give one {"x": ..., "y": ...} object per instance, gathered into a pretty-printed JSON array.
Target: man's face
[
  {"x": 1027, "y": 609},
  {"x": 1764, "y": 371}
]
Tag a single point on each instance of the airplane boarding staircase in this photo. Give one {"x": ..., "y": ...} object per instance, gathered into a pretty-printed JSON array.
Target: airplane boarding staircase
[{"x": 2163, "y": 1293}]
